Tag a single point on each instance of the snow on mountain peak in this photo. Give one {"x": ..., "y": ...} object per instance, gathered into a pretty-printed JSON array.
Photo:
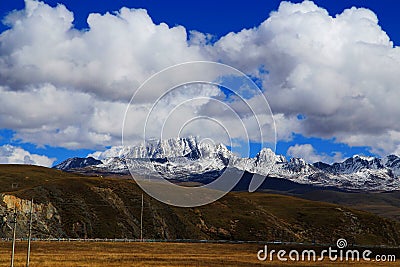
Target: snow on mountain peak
[
  {"x": 392, "y": 162},
  {"x": 76, "y": 162},
  {"x": 167, "y": 148},
  {"x": 298, "y": 161},
  {"x": 367, "y": 158},
  {"x": 182, "y": 158}
]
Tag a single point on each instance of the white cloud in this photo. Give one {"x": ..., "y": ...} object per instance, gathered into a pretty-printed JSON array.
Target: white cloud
[
  {"x": 109, "y": 153},
  {"x": 308, "y": 152},
  {"x": 341, "y": 73},
  {"x": 64, "y": 87},
  {"x": 16, "y": 155},
  {"x": 69, "y": 88},
  {"x": 47, "y": 115},
  {"x": 114, "y": 56}
]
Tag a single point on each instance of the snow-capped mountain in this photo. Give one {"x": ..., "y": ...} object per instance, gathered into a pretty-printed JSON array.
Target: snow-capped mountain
[
  {"x": 184, "y": 157},
  {"x": 177, "y": 158},
  {"x": 354, "y": 164},
  {"x": 359, "y": 172},
  {"x": 171, "y": 148},
  {"x": 389, "y": 164},
  {"x": 74, "y": 163},
  {"x": 187, "y": 159},
  {"x": 393, "y": 163}
]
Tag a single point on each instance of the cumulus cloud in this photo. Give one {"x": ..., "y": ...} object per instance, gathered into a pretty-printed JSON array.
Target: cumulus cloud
[
  {"x": 46, "y": 115},
  {"x": 309, "y": 153},
  {"x": 61, "y": 86},
  {"x": 113, "y": 57},
  {"x": 69, "y": 88},
  {"x": 341, "y": 73},
  {"x": 16, "y": 155}
]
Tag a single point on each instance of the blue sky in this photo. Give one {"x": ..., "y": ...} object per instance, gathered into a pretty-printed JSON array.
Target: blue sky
[{"x": 217, "y": 18}]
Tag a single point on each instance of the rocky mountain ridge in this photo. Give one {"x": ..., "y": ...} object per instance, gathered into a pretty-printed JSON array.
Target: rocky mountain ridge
[
  {"x": 76, "y": 162},
  {"x": 185, "y": 158}
]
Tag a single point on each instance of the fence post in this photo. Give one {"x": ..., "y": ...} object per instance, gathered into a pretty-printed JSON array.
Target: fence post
[
  {"x": 14, "y": 234},
  {"x": 29, "y": 235}
]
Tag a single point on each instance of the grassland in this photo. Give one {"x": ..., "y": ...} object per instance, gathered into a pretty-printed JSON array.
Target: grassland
[
  {"x": 110, "y": 207},
  {"x": 83, "y": 254},
  {"x": 385, "y": 204}
]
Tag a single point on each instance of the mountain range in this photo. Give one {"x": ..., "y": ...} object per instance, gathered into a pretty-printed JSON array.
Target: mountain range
[{"x": 186, "y": 159}]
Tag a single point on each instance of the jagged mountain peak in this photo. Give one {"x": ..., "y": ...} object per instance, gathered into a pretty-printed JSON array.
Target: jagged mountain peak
[
  {"x": 74, "y": 163},
  {"x": 187, "y": 158},
  {"x": 353, "y": 164},
  {"x": 189, "y": 147},
  {"x": 365, "y": 158},
  {"x": 392, "y": 162},
  {"x": 298, "y": 161},
  {"x": 166, "y": 148},
  {"x": 267, "y": 154}
]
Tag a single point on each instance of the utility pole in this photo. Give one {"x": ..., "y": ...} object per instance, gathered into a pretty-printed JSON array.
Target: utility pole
[
  {"x": 141, "y": 221},
  {"x": 29, "y": 235},
  {"x": 14, "y": 233}
]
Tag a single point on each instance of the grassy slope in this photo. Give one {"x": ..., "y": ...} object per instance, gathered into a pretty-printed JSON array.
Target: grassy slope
[
  {"x": 57, "y": 254},
  {"x": 384, "y": 204},
  {"x": 110, "y": 207},
  {"x": 16, "y": 177}
]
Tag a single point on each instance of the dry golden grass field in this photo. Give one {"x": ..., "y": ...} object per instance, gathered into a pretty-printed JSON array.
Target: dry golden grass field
[{"x": 103, "y": 254}]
